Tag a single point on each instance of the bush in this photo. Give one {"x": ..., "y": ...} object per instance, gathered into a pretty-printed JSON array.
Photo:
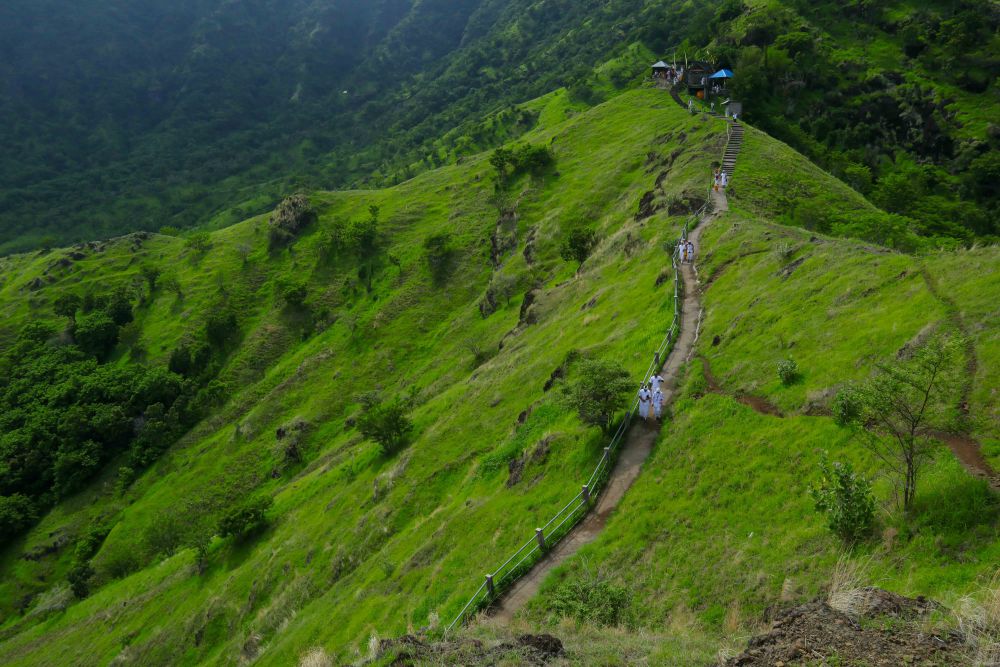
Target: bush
[
  {"x": 292, "y": 293},
  {"x": 439, "y": 255},
  {"x": 578, "y": 245},
  {"x": 847, "y": 406},
  {"x": 846, "y": 499},
  {"x": 221, "y": 328},
  {"x": 246, "y": 519},
  {"x": 200, "y": 242},
  {"x": 386, "y": 424},
  {"x": 593, "y": 600},
  {"x": 788, "y": 371}
]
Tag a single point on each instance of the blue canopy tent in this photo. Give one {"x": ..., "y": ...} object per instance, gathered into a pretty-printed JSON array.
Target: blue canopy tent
[{"x": 722, "y": 74}]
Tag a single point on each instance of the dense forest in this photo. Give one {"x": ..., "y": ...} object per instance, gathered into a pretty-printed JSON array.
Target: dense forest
[{"x": 142, "y": 114}]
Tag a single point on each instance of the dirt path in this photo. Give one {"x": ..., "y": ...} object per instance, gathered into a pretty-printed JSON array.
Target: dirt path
[{"x": 637, "y": 446}]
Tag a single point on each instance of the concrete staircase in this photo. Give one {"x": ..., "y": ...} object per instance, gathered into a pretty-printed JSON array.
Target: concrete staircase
[{"x": 732, "y": 149}]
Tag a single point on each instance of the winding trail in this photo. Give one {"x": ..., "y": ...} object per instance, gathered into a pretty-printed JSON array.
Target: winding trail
[{"x": 637, "y": 446}]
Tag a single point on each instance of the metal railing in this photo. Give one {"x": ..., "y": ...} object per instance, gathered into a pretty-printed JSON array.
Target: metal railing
[{"x": 562, "y": 522}]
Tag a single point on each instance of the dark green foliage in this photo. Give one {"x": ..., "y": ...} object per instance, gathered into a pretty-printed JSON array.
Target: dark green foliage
[
  {"x": 439, "y": 253},
  {"x": 222, "y": 329},
  {"x": 509, "y": 163},
  {"x": 96, "y": 333},
  {"x": 245, "y": 519},
  {"x": 200, "y": 242},
  {"x": 578, "y": 245},
  {"x": 64, "y": 415},
  {"x": 66, "y": 305},
  {"x": 788, "y": 371},
  {"x": 151, "y": 274},
  {"x": 292, "y": 292},
  {"x": 385, "y": 423},
  {"x": 79, "y": 577},
  {"x": 599, "y": 388},
  {"x": 190, "y": 359},
  {"x": 592, "y": 599},
  {"x": 17, "y": 512},
  {"x": 846, "y": 499}
]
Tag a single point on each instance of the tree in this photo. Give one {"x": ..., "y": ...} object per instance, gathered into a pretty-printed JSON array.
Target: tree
[
  {"x": 385, "y": 423},
  {"x": 899, "y": 408},
  {"x": 578, "y": 245},
  {"x": 17, "y": 512},
  {"x": 66, "y": 305},
  {"x": 846, "y": 499},
  {"x": 245, "y": 519},
  {"x": 96, "y": 333},
  {"x": 599, "y": 390},
  {"x": 200, "y": 242}
]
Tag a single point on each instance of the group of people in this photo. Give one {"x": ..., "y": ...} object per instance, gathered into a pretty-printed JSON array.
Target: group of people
[
  {"x": 685, "y": 250},
  {"x": 651, "y": 398},
  {"x": 670, "y": 75},
  {"x": 720, "y": 180}
]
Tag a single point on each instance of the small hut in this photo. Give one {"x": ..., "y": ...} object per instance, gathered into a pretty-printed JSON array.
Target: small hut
[
  {"x": 718, "y": 83},
  {"x": 696, "y": 75}
]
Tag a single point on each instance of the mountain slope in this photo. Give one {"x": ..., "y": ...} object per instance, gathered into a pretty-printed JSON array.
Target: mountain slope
[{"x": 338, "y": 561}]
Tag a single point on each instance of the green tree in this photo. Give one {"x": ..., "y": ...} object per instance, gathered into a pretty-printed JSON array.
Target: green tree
[
  {"x": 385, "y": 423},
  {"x": 66, "y": 305},
  {"x": 902, "y": 405},
  {"x": 96, "y": 333},
  {"x": 599, "y": 389},
  {"x": 578, "y": 245}
]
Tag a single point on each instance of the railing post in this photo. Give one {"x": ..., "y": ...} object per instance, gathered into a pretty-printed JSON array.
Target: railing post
[
  {"x": 586, "y": 494},
  {"x": 541, "y": 538},
  {"x": 656, "y": 359},
  {"x": 489, "y": 585},
  {"x": 607, "y": 453}
]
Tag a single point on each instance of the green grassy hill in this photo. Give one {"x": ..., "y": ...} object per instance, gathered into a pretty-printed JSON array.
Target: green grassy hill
[
  {"x": 716, "y": 529},
  {"x": 720, "y": 528},
  {"x": 339, "y": 563}
]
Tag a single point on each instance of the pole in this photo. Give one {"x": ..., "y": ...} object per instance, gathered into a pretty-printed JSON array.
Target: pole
[
  {"x": 541, "y": 538},
  {"x": 489, "y": 585}
]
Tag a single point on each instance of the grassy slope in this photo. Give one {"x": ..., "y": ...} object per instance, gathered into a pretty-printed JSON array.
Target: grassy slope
[
  {"x": 720, "y": 525},
  {"x": 336, "y": 564}
]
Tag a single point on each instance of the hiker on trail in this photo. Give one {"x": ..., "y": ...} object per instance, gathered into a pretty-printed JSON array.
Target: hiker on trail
[
  {"x": 645, "y": 398},
  {"x": 691, "y": 106},
  {"x": 690, "y": 252},
  {"x": 656, "y": 381},
  {"x": 681, "y": 250},
  {"x": 725, "y": 180},
  {"x": 658, "y": 403},
  {"x": 716, "y": 180},
  {"x": 713, "y": 107}
]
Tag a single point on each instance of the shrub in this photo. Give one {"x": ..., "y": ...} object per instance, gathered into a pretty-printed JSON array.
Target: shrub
[
  {"x": 578, "y": 245},
  {"x": 846, "y": 499},
  {"x": 199, "y": 242},
  {"x": 221, "y": 328},
  {"x": 79, "y": 576},
  {"x": 439, "y": 255},
  {"x": 292, "y": 293},
  {"x": 788, "y": 371},
  {"x": 593, "y": 600},
  {"x": 847, "y": 406},
  {"x": 246, "y": 518},
  {"x": 386, "y": 424}
]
